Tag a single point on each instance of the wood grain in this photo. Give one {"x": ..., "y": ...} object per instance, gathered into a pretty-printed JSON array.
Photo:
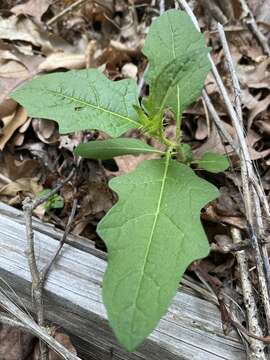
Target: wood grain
[{"x": 191, "y": 329}]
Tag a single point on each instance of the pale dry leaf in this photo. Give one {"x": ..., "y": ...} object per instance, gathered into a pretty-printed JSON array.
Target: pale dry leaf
[
  {"x": 18, "y": 140},
  {"x": 248, "y": 100},
  {"x": 23, "y": 29},
  {"x": 25, "y": 126},
  {"x": 46, "y": 130},
  {"x": 251, "y": 139},
  {"x": 13, "y": 69},
  {"x": 35, "y": 8},
  {"x": 210, "y": 214},
  {"x": 258, "y": 109},
  {"x": 213, "y": 144},
  {"x": 24, "y": 186},
  {"x": 19, "y": 118},
  {"x": 128, "y": 163},
  {"x": 255, "y": 76},
  {"x": 264, "y": 126},
  {"x": 201, "y": 132},
  {"x": 71, "y": 141},
  {"x": 130, "y": 70},
  {"x": 63, "y": 60}
]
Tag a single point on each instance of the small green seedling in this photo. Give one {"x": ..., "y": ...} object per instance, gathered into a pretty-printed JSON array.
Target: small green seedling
[
  {"x": 54, "y": 202},
  {"x": 154, "y": 231}
]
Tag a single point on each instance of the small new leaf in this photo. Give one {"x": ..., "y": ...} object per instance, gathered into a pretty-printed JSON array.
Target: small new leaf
[
  {"x": 213, "y": 162},
  {"x": 81, "y": 100},
  {"x": 107, "y": 149},
  {"x": 172, "y": 36},
  {"x": 54, "y": 202},
  {"x": 152, "y": 234},
  {"x": 178, "y": 72}
]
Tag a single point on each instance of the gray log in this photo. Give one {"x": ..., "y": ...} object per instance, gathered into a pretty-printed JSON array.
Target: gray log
[{"x": 191, "y": 329}]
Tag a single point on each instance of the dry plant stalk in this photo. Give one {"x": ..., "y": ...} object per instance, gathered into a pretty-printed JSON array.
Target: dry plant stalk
[
  {"x": 256, "y": 346},
  {"x": 39, "y": 277}
]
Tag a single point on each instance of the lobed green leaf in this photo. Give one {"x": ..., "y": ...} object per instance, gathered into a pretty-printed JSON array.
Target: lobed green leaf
[
  {"x": 107, "y": 149},
  {"x": 173, "y": 36},
  {"x": 81, "y": 100},
  {"x": 152, "y": 234}
]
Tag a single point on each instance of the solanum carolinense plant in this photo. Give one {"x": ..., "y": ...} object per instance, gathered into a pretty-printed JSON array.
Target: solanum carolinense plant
[{"x": 153, "y": 232}]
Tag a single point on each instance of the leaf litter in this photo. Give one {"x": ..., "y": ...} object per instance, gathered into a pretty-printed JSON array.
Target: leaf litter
[{"x": 109, "y": 36}]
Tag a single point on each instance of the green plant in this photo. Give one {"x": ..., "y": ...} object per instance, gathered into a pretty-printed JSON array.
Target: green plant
[
  {"x": 153, "y": 232},
  {"x": 54, "y": 202}
]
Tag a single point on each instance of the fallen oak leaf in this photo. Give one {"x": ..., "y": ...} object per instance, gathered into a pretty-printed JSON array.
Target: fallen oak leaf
[{"x": 34, "y": 8}]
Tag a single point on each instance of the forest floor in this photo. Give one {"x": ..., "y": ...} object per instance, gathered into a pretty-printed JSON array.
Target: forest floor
[{"x": 37, "y": 37}]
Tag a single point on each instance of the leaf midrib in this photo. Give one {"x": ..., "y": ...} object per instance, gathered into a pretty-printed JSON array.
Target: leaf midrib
[
  {"x": 164, "y": 177},
  {"x": 142, "y": 150},
  {"x": 177, "y": 86},
  {"x": 92, "y": 106}
]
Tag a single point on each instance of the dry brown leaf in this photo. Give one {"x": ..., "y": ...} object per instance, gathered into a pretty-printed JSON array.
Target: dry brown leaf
[
  {"x": 252, "y": 138},
  {"x": 11, "y": 123},
  {"x": 213, "y": 144},
  {"x": 7, "y": 107},
  {"x": 15, "y": 67},
  {"x": 28, "y": 186},
  {"x": 258, "y": 109},
  {"x": 264, "y": 126},
  {"x": 63, "y": 60},
  {"x": 14, "y": 343},
  {"x": 46, "y": 130},
  {"x": 255, "y": 76},
  {"x": 35, "y": 8},
  {"x": 23, "y": 29},
  {"x": 14, "y": 169},
  {"x": 210, "y": 214}
]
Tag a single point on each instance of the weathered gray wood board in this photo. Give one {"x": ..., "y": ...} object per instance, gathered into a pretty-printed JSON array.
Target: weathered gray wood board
[{"x": 190, "y": 330}]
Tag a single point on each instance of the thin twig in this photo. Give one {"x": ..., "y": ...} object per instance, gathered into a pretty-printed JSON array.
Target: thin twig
[
  {"x": 39, "y": 277},
  {"x": 250, "y": 196},
  {"x": 46, "y": 269},
  {"x": 64, "y": 12},
  {"x": 218, "y": 121},
  {"x": 72, "y": 7},
  {"x": 161, "y": 6},
  {"x": 250, "y": 21},
  {"x": 40, "y": 200},
  {"x": 249, "y": 301}
]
